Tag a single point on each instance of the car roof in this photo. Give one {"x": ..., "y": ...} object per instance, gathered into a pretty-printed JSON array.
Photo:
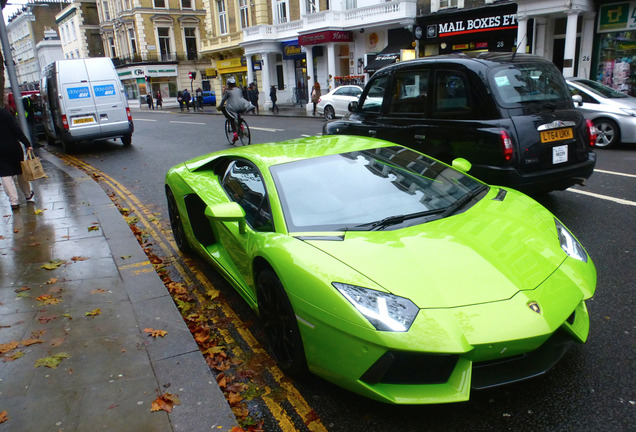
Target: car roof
[
  {"x": 482, "y": 61},
  {"x": 270, "y": 154}
]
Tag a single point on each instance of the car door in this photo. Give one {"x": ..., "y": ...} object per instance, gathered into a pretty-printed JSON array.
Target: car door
[
  {"x": 368, "y": 119},
  {"x": 243, "y": 183}
]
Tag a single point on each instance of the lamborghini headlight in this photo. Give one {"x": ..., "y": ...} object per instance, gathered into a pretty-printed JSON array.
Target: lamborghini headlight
[
  {"x": 386, "y": 312},
  {"x": 569, "y": 244}
]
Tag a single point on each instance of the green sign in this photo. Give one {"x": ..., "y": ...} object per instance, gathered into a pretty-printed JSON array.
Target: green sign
[{"x": 617, "y": 17}]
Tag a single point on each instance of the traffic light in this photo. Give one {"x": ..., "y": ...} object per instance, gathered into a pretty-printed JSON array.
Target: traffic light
[{"x": 192, "y": 75}]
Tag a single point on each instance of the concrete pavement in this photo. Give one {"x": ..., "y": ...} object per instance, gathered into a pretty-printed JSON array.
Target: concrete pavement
[{"x": 87, "y": 312}]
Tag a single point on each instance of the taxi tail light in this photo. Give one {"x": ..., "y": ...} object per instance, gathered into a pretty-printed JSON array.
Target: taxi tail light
[
  {"x": 64, "y": 121},
  {"x": 128, "y": 114},
  {"x": 506, "y": 145},
  {"x": 591, "y": 131}
]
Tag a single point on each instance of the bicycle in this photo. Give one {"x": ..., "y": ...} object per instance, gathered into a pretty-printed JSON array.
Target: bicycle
[{"x": 243, "y": 131}]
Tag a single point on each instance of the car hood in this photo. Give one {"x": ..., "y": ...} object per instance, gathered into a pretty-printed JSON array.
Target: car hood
[{"x": 486, "y": 254}]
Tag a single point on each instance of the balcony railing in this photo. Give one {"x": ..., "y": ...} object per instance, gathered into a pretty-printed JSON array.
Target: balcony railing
[
  {"x": 154, "y": 57},
  {"x": 398, "y": 12}
]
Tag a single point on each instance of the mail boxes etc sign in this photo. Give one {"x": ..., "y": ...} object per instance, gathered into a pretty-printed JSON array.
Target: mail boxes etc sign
[{"x": 617, "y": 17}]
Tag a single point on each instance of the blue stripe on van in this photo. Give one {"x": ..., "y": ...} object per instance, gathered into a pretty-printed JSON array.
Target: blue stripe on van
[
  {"x": 104, "y": 90},
  {"x": 78, "y": 92}
]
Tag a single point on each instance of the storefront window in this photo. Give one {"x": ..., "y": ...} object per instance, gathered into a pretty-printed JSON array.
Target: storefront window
[{"x": 617, "y": 61}]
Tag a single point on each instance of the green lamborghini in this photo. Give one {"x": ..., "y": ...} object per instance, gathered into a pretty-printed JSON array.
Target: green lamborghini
[{"x": 383, "y": 270}]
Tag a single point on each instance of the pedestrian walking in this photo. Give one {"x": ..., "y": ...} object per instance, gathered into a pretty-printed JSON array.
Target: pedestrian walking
[
  {"x": 180, "y": 100},
  {"x": 272, "y": 96},
  {"x": 186, "y": 99},
  {"x": 252, "y": 92},
  {"x": 159, "y": 98},
  {"x": 149, "y": 101},
  {"x": 11, "y": 153},
  {"x": 199, "y": 98},
  {"x": 315, "y": 95},
  {"x": 29, "y": 112}
]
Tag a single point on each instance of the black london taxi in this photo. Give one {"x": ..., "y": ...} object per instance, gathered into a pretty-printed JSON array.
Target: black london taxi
[{"x": 510, "y": 115}]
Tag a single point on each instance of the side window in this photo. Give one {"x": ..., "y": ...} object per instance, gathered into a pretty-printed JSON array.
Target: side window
[
  {"x": 409, "y": 92},
  {"x": 452, "y": 99},
  {"x": 244, "y": 185},
  {"x": 372, "y": 102},
  {"x": 586, "y": 97}
]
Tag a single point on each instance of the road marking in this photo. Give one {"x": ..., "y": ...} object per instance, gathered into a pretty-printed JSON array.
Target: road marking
[
  {"x": 615, "y": 173},
  {"x": 185, "y": 122},
  {"x": 603, "y": 197},
  {"x": 149, "y": 120},
  {"x": 164, "y": 240},
  {"x": 266, "y": 129}
]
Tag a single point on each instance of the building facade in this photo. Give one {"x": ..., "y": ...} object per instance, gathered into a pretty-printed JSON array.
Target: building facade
[{"x": 78, "y": 24}]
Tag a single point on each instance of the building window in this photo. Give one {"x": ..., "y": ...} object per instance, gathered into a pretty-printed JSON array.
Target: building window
[
  {"x": 73, "y": 35},
  {"x": 111, "y": 44},
  {"x": 160, "y": 4},
  {"x": 351, "y": 4},
  {"x": 446, "y": 4},
  {"x": 190, "y": 43},
  {"x": 106, "y": 11},
  {"x": 222, "y": 17},
  {"x": 281, "y": 11},
  {"x": 164, "y": 43},
  {"x": 186, "y": 4},
  {"x": 127, "y": 5},
  {"x": 244, "y": 13},
  {"x": 133, "y": 41}
]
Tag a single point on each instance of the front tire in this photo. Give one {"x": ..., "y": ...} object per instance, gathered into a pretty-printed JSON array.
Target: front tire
[
  {"x": 280, "y": 324},
  {"x": 228, "y": 131},
  {"x": 329, "y": 113},
  {"x": 244, "y": 133},
  {"x": 608, "y": 133},
  {"x": 176, "y": 223}
]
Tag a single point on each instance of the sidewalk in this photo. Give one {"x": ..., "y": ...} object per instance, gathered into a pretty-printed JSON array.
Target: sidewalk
[{"x": 110, "y": 371}]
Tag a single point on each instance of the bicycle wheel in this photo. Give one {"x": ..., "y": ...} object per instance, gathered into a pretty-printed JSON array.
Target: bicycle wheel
[
  {"x": 244, "y": 133},
  {"x": 228, "y": 131}
]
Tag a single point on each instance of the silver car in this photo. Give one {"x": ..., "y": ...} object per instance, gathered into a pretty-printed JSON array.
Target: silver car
[{"x": 612, "y": 112}]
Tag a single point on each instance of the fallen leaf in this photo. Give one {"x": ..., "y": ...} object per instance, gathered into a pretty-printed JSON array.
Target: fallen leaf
[
  {"x": 155, "y": 333},
  {"x": 165, "y": 402},
  {"x": 48, "y": 300},
  {"x": 53, "y": 264},
  {"x": 16, "y": 355},
  {"x": 93, "y": 228},
  {"x": 67, "y": 316},
  {"x": 125, "y": 256},
  {"x": 46, "y": 318},
  {"x": 23, "y": 295},
  {"x": 57, "y": 341},
  {"x": 98, "y": 291},
  {"x": 51, "y": 362},
  {"x": 24, "y": 288},
  {"x": 78, "y": 258},
  {"x": 94, "y": 312},
  {"x": 6, "y": 347},
  {"x": 29, "y": 342},
  {"x": 38, "y": 211},
  {"x": 51, "y": 281},
  {"x": 3, "y": 417}
]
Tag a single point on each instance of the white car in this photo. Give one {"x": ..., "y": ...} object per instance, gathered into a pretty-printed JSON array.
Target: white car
[
  {"x": 336, "y": 102},
  {"x": 612, "y": 112}
]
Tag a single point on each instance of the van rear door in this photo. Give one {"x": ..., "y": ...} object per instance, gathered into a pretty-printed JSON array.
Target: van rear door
[
  {"x": 109, "y": 101},
  {"x": 77, "y": 100}
]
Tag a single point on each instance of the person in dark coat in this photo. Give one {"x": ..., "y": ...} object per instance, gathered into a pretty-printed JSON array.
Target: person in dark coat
[
  {"x": 252, "y": 92},
  {"x": 180, "y": 100},
  {"x": 186, "y": 99},
  {"x": 272, "y": 96},
  {"x": 11, "y": 153}
]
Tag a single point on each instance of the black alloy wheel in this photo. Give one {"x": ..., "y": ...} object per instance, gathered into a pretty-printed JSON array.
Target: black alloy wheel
[
  {"x": 280, "y": 324},
  {"x": 607, "y": 133},
  {"x": 330, "y": 114},
  {"x": 176, "y": 224}
]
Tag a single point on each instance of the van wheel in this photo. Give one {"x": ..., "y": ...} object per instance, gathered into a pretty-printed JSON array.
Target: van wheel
[
  {"x": 126, "y": 140},
  {"x": 608, "y": 133}
]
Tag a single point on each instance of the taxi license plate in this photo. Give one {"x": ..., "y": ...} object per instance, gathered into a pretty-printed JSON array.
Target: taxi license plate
[
  {"x": 559, "y": 154},
  {"x": 83, "y": 120},
  {"x": 556, "y": 135}
]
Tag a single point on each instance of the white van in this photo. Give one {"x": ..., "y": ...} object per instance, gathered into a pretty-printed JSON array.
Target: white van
[{"x": 83, "y": 99}]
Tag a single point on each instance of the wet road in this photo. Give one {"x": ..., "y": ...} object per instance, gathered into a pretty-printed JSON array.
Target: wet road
[{"x": 592, "y": 389}]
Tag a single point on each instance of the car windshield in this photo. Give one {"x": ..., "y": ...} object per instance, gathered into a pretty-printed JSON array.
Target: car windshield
[
  {"x": 382, "y": 188},
  {"x": 600, "y": 89},
  {"x": 528, "y": 82}
]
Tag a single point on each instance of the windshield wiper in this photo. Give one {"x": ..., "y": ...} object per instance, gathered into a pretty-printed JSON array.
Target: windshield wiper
[
  {"x": 397, "y": 219},
  {"x": 462, "y": 201}
]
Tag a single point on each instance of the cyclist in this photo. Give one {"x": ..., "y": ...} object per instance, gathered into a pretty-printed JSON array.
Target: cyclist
[{"x": 233, "y": 104}]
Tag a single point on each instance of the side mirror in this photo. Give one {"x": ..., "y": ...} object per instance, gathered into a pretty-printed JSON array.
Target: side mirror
[
  {"x": 353, "y": 106},
  {"x": 461, "y": 164},
  {"x": 578, "y": 99},
  {"x": 227, "y": 212}
]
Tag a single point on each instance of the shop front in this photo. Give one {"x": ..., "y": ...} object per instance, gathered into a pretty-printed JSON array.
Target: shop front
[
  {"x": 293, "y": 52},
  {"x": 138, "y": 81},
  {"x": 616, "y": 46},
  {"x": 338, "y": 47},
  {"x": 492, "y": 28},
  {"x": 233, "y": 67}
]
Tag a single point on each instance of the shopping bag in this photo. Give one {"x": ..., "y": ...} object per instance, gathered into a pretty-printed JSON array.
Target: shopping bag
[{"x": 32, "y": 167}]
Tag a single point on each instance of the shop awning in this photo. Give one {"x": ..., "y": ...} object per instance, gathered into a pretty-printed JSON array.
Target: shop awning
[{"x": 399, "y": 39}]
